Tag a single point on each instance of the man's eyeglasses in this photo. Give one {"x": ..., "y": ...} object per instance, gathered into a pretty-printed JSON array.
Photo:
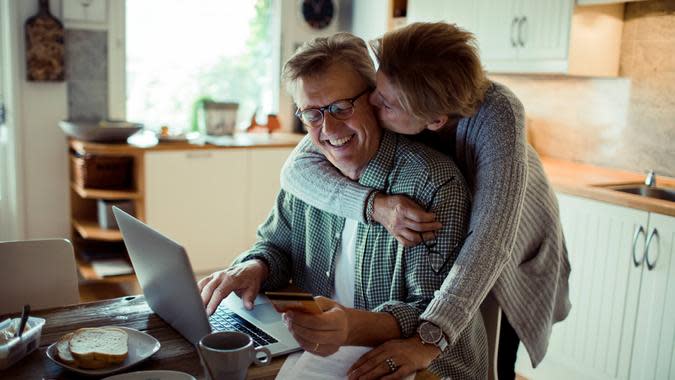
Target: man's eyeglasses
[{"x": 341, "y": 109}]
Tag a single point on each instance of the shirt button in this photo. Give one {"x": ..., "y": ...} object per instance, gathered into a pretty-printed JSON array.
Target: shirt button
[
  {"x": 328, "y": 274},
  {"x": 337, "y": 235}
]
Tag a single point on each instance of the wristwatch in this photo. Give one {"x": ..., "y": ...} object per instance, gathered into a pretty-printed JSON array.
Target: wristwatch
[{"x": 431, "y": 334}]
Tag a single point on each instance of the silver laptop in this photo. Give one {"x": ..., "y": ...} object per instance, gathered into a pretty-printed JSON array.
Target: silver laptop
[{"x": 165, "y": 274}]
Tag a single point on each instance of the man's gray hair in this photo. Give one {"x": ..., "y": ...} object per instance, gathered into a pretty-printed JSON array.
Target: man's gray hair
[{"x": 316, "y": 56}]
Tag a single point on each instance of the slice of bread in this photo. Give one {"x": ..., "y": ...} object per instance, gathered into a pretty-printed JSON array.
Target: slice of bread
[
  {"x": 92, "y": 346},
  {"x": 63, "y": 350},
  {"x": 64, "y": 355}
]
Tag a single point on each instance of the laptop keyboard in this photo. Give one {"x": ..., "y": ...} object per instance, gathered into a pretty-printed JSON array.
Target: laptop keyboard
[{"x": 226, "y": 320}]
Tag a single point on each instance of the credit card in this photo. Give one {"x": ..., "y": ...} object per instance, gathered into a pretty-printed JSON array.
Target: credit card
[{"x": 298, "y": 301}]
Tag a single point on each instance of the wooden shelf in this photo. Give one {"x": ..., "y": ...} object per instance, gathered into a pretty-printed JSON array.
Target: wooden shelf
[
  {"x": 104, "y": 194},
  {"x": 91, "y": 230},
  {"x": 87, "y": 272}
]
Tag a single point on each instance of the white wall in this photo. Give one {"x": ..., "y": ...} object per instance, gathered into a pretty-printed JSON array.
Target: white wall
[
  {"x": 43, "y": 151},
  {"x": 294, "y": 31}
]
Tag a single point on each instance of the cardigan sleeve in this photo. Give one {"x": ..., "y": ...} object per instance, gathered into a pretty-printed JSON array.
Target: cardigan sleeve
[
  {"x": 495, "y": 155},
  {"x": 309, "y": 176}
]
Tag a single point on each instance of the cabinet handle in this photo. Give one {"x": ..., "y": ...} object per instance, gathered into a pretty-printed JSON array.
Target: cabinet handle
[
  {"x": 651, "y": 265},
  {"x": 638, "y": 231},
  {"x": 198, "y": 155},
  {"x": 513, "y": 27},
  {"x": 522, "y": 22}
]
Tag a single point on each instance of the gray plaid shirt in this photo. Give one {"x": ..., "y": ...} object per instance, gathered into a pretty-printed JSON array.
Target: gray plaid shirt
[{"x": 299, "y": 243}]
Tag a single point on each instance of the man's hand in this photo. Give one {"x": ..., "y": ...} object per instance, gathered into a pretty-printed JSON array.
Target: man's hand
[
  {"x": 244, "y": 279},
  {"x": 409, "y": 355},
  {"x": 321, "y": 334},
  {"x": 405, "y": 220}
]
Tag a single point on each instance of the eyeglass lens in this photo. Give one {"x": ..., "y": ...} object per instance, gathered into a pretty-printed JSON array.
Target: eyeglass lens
[{"x": 340, "y": 110}]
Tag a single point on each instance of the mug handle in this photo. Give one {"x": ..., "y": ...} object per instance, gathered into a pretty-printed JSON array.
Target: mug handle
[{"x": 266, "y": 360}]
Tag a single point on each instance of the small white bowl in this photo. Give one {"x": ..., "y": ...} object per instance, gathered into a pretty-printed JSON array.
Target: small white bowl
[{"x": 16, "y": 348}]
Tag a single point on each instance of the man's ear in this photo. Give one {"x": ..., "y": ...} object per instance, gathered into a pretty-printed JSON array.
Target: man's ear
[{"x": 437, "y": 123}]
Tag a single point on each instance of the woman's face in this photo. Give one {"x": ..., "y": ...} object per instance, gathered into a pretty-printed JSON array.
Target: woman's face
[{"x": 389, "y": 111}]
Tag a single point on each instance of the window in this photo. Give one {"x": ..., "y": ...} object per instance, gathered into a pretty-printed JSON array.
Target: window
[{"x": 179, "y": 51}]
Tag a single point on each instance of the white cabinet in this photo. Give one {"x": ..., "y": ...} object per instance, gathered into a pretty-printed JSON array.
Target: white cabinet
[
  {"x": 211, "y": 201},
  {"x": 85, "y": 14},
  {"x": 524, "y": 35},
  {"x": 264, "y": 166},
  {"x": 198, "y": 198},
  {"x": 535, "y": 36},
  {"x": 653, "y": 349},
  {"x": 620, "y": 308}
]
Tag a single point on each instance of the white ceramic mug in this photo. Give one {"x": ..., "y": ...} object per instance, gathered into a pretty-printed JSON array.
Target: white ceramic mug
[{"x": 228, "y": 354}]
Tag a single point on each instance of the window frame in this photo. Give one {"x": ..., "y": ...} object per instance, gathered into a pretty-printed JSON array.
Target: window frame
[{"x": 12, "y": 225}]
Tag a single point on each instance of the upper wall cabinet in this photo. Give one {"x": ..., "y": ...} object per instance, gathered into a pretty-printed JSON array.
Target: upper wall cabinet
[
  {"x": 524, "y": 35},
  {"x": 535, "y": 36}
]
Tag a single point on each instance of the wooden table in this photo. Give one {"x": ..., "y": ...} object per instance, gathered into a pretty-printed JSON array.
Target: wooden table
[{"x": 175, "y": 354}]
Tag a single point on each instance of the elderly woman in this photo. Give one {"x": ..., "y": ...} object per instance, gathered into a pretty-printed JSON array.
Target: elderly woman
[{"x": 430, "y": 84}]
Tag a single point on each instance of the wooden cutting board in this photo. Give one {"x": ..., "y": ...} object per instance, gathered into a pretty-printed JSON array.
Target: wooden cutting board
[{"x": 44, "y": 46}]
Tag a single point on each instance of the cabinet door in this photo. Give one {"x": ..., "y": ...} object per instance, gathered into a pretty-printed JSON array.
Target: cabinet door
[
  {"x": 263, "y": 184},
  {"x": 653, "y": 351},
  {"x": 198, "y": 198},
  {"x": 461, "y": 12},
  {"x": 594, "y": 342},
  {"x": 543, "y": 33},
  {"x": 496, "y": 31}
]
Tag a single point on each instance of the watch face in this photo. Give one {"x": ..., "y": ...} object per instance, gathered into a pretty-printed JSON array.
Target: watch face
[
  {"x": 430, "y": 333},
  {"x": 318, "y": 13}
]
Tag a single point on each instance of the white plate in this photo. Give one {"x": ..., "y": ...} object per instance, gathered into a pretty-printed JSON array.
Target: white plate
[
  {"x": 152, "y": 375},
  {"x": 141, "y": 347}
]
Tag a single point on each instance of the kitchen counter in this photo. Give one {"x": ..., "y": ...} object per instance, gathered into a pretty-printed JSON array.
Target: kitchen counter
[
  {"x": 150, "y": 143},
  {"x": 590, "y": 181}
]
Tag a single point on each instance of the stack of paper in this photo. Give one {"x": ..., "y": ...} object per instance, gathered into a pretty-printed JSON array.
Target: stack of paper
[
  {"x": 307, "y": 366},
  {"x": 111, "y": 267}
]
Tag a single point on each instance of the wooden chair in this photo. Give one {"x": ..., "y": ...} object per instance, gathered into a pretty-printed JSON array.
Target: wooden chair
[
  {"x": 492, "y": 317},
  {"x": 41, "y": 273}
]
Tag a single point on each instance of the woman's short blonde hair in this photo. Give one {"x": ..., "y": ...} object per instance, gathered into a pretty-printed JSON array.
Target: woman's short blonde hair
[
  {"x": 435, "y": 67},
  {"x": 316, "y": 56}
]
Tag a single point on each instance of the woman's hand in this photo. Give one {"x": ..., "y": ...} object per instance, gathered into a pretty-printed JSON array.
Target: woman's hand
[
  {"x": 322, "y": 334},
  {"x": 405, "y": 220},
  {"x": 407, "y": 355}
]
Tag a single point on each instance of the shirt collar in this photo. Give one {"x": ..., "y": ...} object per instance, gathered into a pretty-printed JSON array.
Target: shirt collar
[{"x": 376, "y": 173}]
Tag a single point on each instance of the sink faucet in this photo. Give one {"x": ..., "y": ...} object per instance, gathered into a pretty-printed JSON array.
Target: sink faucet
[{"x": 650, "y": 181}]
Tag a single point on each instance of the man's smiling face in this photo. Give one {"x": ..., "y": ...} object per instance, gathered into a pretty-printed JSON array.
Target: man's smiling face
[{"x": 348, "y": 144}]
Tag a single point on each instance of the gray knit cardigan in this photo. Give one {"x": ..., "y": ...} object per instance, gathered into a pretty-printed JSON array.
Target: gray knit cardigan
[{"x": 515, "y": 247}]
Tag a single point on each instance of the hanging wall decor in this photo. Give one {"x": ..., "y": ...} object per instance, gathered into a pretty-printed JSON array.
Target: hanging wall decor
[{"x": 44, "y": 46}]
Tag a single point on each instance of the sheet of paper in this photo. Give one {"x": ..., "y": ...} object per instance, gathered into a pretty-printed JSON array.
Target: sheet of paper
[{"x": 308, "y": 366}]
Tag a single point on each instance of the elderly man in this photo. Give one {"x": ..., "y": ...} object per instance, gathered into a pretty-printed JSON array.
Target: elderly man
[{"x": 377, "y": 288}]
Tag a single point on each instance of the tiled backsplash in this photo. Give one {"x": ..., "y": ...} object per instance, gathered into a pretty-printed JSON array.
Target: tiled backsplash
[
  {"x": 626, "y": 122},
  {"x": 87, "y": 73}
]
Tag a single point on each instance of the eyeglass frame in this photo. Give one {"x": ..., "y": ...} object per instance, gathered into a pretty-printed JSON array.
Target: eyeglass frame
[{"x": 322, "y": 110}]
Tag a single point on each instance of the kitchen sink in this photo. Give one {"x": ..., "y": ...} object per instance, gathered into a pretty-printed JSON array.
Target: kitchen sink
[{"x": 665, "y": 194}]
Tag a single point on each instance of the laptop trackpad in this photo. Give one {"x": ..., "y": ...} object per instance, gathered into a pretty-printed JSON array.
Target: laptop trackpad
[
  {"x": 263, "y": 310},
  {"x": 265, "y": 313}
]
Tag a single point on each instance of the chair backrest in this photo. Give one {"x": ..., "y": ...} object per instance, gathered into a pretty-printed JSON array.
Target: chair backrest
[
  {"x": 492, "y": 317},
  {"x": 41, "y": 273}
]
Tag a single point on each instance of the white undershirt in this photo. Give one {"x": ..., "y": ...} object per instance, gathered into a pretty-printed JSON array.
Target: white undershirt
[{"x": 344, "y": 265}]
